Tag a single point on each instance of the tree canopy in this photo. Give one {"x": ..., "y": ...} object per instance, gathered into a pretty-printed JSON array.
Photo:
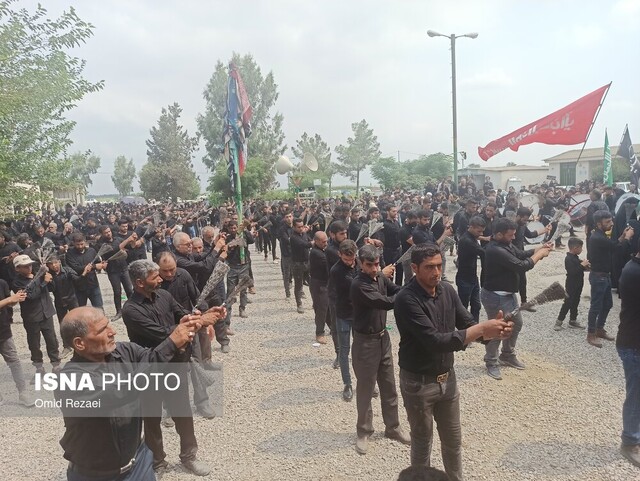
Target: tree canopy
[
  {"x": 412, "y": 174},
  {"x": 266, "y": 142},
  {"x": 168, "y": 173},
  {"x": 124, "y": 172},
  {"x": 322, "y": 152},
  {"x": 360, "y": 151},
  {"x": 39, "y": 83}
]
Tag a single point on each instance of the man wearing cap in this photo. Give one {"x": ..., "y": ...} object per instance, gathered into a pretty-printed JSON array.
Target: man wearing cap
[{"x": 37, "y": 312}]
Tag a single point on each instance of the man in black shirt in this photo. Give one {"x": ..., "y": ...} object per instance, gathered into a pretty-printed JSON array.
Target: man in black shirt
[
  {"x": 110, "y": 447},
  {"x": 239, "y": 267},
  {"x": 628, "y": 346},
  {"x": 116, "y": 270},
  {"x": 372, "y": 295},
  {"x": 504, "y": 264},
  {"x": 80, "y": 259},
  {"x": 600, "y": 255},
  {"x": 469, "y": 251},
  {"x": 433, "y": 324},
  {"x": 151, "y": 315},
  {"x": 284, "y": 236},
  {"x": 392, "y": 248},
  {"x": 300, "y": 245},
  {"x": 318, "y": 279},
  {"x": 406, "y": 241}
]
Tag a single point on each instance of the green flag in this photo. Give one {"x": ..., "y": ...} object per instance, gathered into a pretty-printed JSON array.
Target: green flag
[{"x": 608, "y": 172}]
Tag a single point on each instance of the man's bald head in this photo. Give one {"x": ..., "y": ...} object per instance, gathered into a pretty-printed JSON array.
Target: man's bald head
[
  {"x": 320, "y": 240},
  {"x": 168, "y": 265},
  {"x": 77, "y": 323}
]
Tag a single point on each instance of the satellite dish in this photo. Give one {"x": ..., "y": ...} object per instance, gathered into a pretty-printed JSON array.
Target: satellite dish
[
  {"x": 283, "y": 165},
  {"x": 310, "y": 161}
]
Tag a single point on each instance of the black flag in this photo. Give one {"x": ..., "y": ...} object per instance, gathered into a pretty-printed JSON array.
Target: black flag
[{"x": 626, "y": 151}]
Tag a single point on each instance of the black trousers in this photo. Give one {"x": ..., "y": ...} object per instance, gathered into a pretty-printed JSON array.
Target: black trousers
[
  {"x": 570, "y": 304},
  {"x": 119, "y": 280},
  {"x": 298, "y": 270},
  {"x": 320, "y": 298},
  {"x": 373, "y": 362},
  {"x": 34, "y": 330},
  {"x": 522, "y": 288},
  {"x": 178, "y": 404},
  {"x": 287, "y": 275}
]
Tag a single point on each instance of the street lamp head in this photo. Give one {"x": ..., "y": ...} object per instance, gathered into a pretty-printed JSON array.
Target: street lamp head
[
  {"x": 432, "y": 33},
  {"x": 472, "y": 35}
]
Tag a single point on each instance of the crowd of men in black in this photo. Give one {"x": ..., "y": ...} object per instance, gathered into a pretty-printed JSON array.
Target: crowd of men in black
[{"x": 354, "y": 280}]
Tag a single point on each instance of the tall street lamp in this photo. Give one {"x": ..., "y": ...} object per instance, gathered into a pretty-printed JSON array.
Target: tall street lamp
[{"x": 452, "y": 38}]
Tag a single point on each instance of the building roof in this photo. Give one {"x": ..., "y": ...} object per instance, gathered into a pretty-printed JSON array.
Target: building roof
[{"x": 587, "y": 155}]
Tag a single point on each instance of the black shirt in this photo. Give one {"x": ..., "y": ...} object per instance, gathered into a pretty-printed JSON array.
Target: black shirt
[
  {"x": 37, "y": 307},
  {"x": 64, "y": 286},
  {"x": 427, "y": 327},
  {"x": 371, "y": 300},
  {"x": 391, "y": 234},
  {"x": 108, "y": 443},
  {"x": 6, "y": 313},
  {"x": 600, "y": 251},
  {"x": 422, "y": 235},
  {"x": 575, "y": 270},
  {"x": 340, "y": 278},
  {"x": 197, "y": 266},
  {"x": 332, "y": 254},
  {"x": 183, "y": 289},
  {"x": 78, "y": 261},
  {"x": 503, "y": 266},
  {"x": 300, "y": 245},
  {"x": 150, "y": 321},
  {"x": 629, "y": 330},
  {"x": 284, "y": 236},
  {"x": 318, "y": 268},
  {"x": 405, "y": 234},
  {"x": 468, "y": 252},
  {"x": 234, "y": 252}
]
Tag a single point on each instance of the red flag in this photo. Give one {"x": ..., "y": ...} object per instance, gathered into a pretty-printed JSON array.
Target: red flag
[{"x": 567, "y": 126}]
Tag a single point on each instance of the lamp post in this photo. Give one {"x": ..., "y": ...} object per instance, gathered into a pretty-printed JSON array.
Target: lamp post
[{"x": 452, "y": 38}]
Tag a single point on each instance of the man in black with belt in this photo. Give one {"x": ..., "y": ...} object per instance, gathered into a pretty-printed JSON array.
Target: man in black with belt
[
  {"x": 373, "y": 294},
  {"x": 433, "y": 324},
  {"x": 116, "y": 270},
  {"x": 600, "y": 255},
  {"x": 150, "y": 316},
  {"x": 318, "y": 279},
  {"x": 81, "y": 259},
  {"x": 469, "y": 251},
  {"x": 392, "y": 248},
  {"x": 110, "y": 447},
  {"x": 300, "y": 245}
]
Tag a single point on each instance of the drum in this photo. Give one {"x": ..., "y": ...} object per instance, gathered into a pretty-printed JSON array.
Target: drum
[
  {"x": 625, "y": 198},
  {"x": 578, "y": 209},
  {"x": 531, "y": 201},
  {"x": 535, "y": 226}
]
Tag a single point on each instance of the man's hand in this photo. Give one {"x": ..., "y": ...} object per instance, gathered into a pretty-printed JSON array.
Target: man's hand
[
  {"x": 586, "y": 263},
  {"x": 48, "y": 277},
  {"x": 102, "y": 265},
  {"x": 213, "y": 315},
  {"x": 547, "y": 229},
  {"x": 497, "y": 328},
  {"x": 190, "y": 318},
  {"x": 18, "y": 297},
  {"x": 220, "y": 243},
  {"x": 388, "y": 271},
  {"x": 87, "y": 269},
  {"x": 628, "y": 233},
  {"x": 183, "y": 334}
]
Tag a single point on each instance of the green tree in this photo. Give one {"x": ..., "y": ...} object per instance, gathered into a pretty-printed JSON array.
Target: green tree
[
  {"x": 266, "y": 142},
  {"x": 321, "y": 151},
  {"x": 82, "y": 166},
  {"x": 434, "y": 166},
  {"x": 39, "y": 83},
  {"x": 389, "y": 173},
  {"x": 71, "y": 172},
  {"x": 360, "y": 151},
  {"x": 124, "y": 172},
  {"x": 168, "y": 173},
  {"x": 413, "y": 174},
  {"x": 251, "y": 180}
]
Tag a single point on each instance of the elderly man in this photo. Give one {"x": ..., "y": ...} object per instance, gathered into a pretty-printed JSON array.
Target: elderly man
[
  {"x": 150, "y": 316},
  {"x": 318, "y": 279},
  {"x": 109, "y": 447}
]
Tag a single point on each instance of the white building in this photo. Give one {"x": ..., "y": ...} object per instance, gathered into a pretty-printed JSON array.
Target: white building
[{"x": 500, "y": 176}]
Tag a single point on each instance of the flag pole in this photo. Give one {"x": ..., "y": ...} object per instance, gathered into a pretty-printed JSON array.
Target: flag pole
[
  {"x": 593, "y": 122},
  {"x": 238, "y": 195}
]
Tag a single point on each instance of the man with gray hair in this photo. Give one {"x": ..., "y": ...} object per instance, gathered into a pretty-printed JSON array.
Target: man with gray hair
[
  {"x": 150, "y": 316},
  {"x": 110, "y": 447}
]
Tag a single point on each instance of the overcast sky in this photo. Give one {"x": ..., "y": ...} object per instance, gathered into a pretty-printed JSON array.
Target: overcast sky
[{"x": 337, "y": 62}]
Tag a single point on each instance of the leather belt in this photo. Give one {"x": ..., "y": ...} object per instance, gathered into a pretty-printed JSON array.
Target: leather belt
[
  {"x": 426, "y": 378},
  {"x": 99, "y": 474},
  {"x": 375, "y": 335}
]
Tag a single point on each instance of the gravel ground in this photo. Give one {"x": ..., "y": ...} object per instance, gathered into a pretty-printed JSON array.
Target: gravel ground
[{"x": 284, "y": 417}]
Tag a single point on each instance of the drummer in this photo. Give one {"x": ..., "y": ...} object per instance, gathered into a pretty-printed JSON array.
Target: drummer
[{"x": 522, "y": 219}]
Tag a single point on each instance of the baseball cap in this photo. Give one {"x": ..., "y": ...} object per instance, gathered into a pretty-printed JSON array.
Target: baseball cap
[{"x": 22, "y": 260}]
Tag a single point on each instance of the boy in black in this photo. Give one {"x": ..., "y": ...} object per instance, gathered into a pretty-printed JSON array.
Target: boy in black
[
  {"x": 64, "y": 293},
  {"x": 575, "y": 268}
]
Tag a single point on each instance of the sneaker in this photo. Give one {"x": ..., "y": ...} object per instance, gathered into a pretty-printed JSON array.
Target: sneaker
[
  {"x": 226, "y": 349},
  {"x": 209, "y": 365},
  {"x": 603, "y": 334},
  {"x": 494, "y": 372},
  {"x": 576, "y": 325},
  {"x": 511, "y": 361},
  {"x": 66, "y": 352},
  {"x": 160, "y": 466},
  {"x": 25, "y": 398},
  {"x": 321, "y": 339},
  {"x": 593, "y": 340},
  {"x": 336, "y": 363},
  {"x": 199, "y": 468},
  {"x": 347, "y": 393},
  {"x": 252, "y": 290},
  {"x": 230, "y": 332},
  {"x": 376, "y": 391},
  {"x": 275, "y": 261},
  {"x": 243, "y": 313},
  {"x": 362, "y": 444},
  {"x": 398, "y": 435},
  {"x": 206, "y": 411},
  {"x": 631, "y": 453},
  {"x": 300, "y": 310},
  {"x": 558, "y": 326},
  {"x": 117, "y": 316}
]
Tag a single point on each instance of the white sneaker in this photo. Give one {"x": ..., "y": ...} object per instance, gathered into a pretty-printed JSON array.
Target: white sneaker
[{"x": 26, "y": 399}]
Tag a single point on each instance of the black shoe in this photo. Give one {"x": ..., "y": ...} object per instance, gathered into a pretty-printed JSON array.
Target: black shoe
[
  {"x": 336, "y": 363},
  {"x": 212, "y": 366},
  {"x": 347, "y": 393},
  {"x": 160, "y": 466}
]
